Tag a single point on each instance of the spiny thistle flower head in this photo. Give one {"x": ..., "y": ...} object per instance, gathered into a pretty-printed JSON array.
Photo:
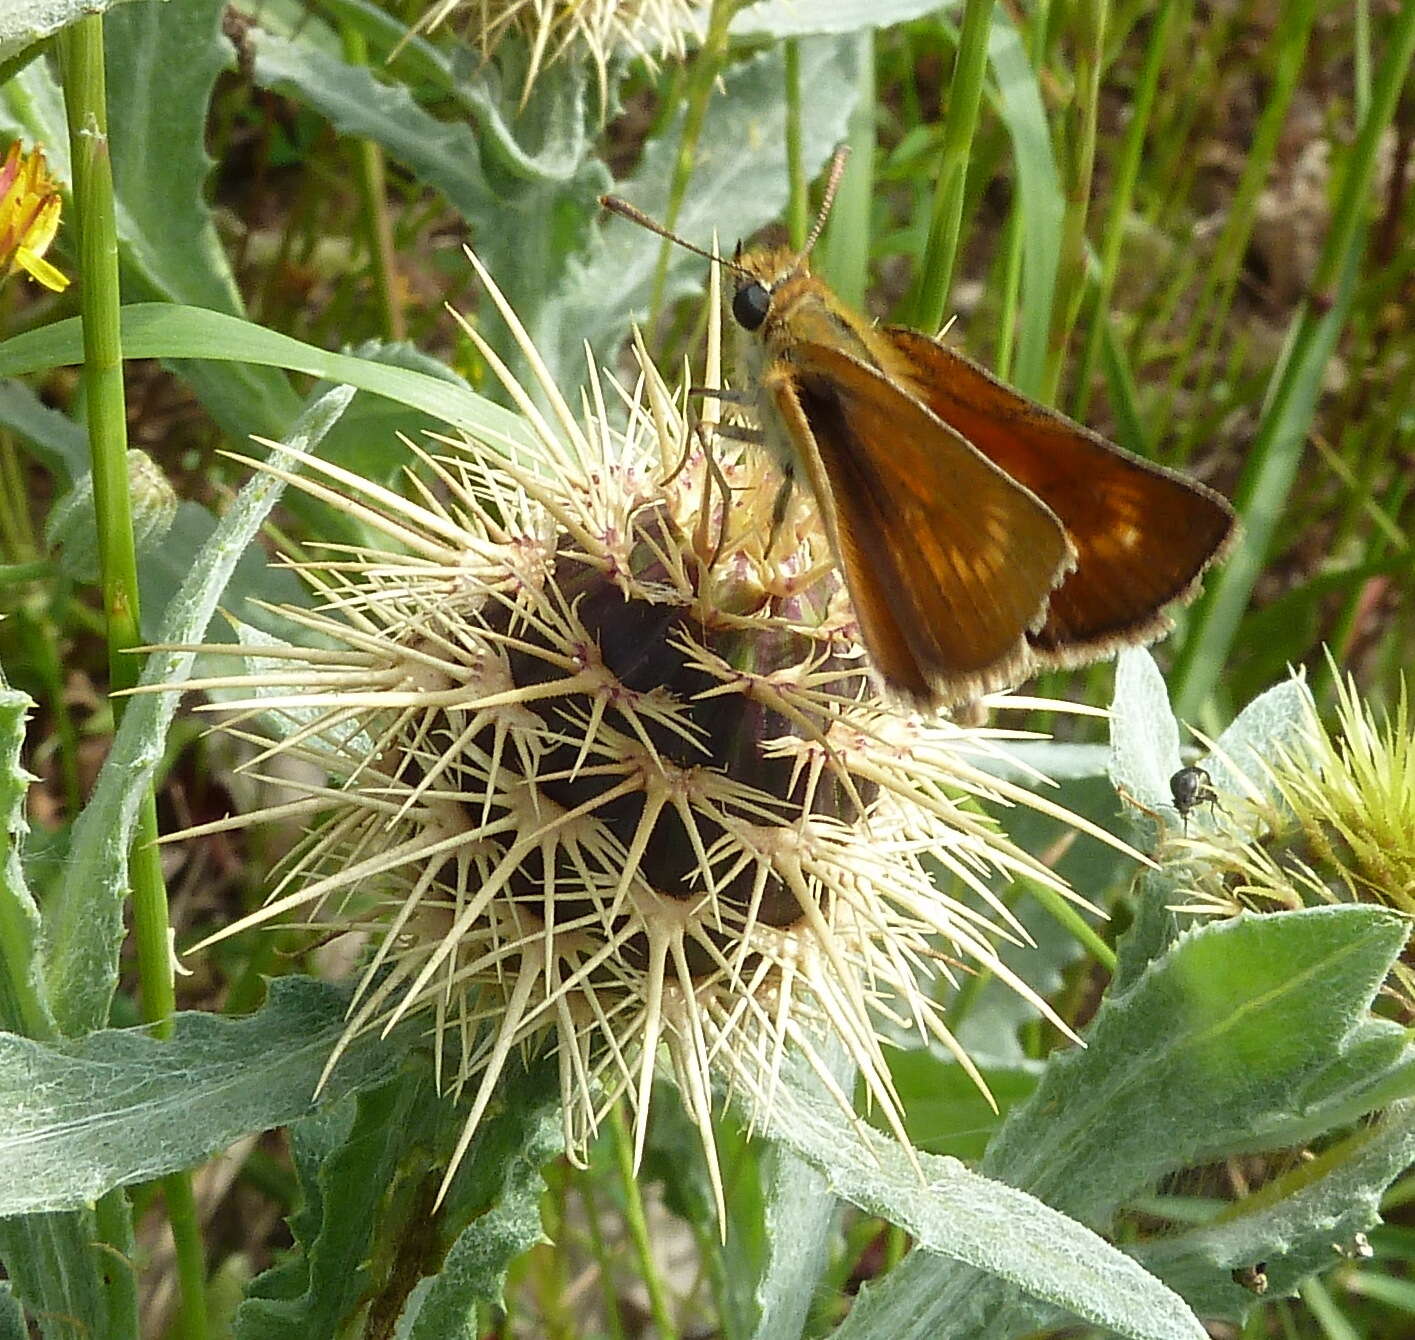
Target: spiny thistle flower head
[
  {"x": 1335, "y": 820},
  {"x": 597, "y": 30},
  {"x": 607, "y": 773},
  {"x": 29, "y": 216}
]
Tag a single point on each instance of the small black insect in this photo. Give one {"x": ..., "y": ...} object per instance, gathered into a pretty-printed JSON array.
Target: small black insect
[{"x": 1190, "y": 788}]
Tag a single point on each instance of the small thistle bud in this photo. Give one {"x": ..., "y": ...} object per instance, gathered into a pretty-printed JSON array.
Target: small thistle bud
[
  {"x": 73, "y": 528},
  {"x": 608, "y": 772},
  {"x": 1333, "y": 821}
]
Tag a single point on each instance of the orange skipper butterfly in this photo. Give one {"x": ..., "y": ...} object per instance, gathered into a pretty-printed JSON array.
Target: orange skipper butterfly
[{"x": 981, "y": 535}]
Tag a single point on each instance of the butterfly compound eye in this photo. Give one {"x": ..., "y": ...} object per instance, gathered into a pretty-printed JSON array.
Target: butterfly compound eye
[{"x": 750, "y": 304}]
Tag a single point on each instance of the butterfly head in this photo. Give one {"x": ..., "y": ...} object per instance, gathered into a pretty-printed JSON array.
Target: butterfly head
[{"x": 762, "y": 275}]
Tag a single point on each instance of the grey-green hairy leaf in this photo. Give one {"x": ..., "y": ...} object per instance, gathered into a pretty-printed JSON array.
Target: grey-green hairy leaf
[
  {"x": 163, "y": 63},
  {"x": 443, "y": 155},
  {"x": 12, "y": 1319},
  {"x": 781, "y": 1221},
  {"x": 85, "y": 926},
  {"x": 25, "y": 22},
  {"x": 1144, "y": 736},
  {"x": 53, "y": 1264},
  {"x": 958, "y": 1215},
  {"x": 343, "y": 1173},
  {"x": 80, "y": 1117},
  {"x": 1261, "y": 1023},
  {"x": 1246, "y": 1035},
  {"x": 22, "y": 1001},
  {"x": 371, "y": 1168},
  {"x": 59, "y": 442},
  {"x": 1294, "y": 1228},
  {"x": 50, "y": 1259},
  {"x": 800, "y": 1216},
  {"x": 1274, "y": 722},
  {"x": 506, "y": 1163}
]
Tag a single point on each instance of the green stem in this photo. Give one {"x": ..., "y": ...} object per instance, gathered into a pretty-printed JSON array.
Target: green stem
[
  {"x": 638, "y": 1227},
  {"x": 191, "y": 1259},
  {"x": 1127, "y": 171},
  {"x": 700, "y": 81},
  {"x": 798, "y": 207},
  {"x": 1081, "y": 135},
  {"x": 85, "y": 96},
  {"x": 604, "y": 1259},
  {"x": 1011, "y": 289},
  {"x": 113, "y": 1219},
  {"x": 930, "y": 300},
  {"x": 368, "y": 158},
  {"x": 1064, "y": 913}
]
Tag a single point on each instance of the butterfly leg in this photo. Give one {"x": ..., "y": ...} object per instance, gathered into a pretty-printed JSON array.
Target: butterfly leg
[
  {"x": 778, "y": 508},
  {"x": 706, "y": 430}
]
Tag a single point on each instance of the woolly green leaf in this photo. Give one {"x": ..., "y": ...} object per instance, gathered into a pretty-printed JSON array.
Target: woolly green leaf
[
  {"x": 347, "y": 1160},
  {"x": 73, "y": 524},
  {"x": 1246, "y": 1035},
  {"x": 84, "y": 926},
  {"x": 24, "y": 22},
  {"x": 781, "y": 1220},
  {"x": 958, "y": 1215},
  {"x": 1274, "y": 721},
  {"x": 22, "y": 1002},
  {"x": 166, "y": 239},
  {"x": 80, "y": 1117},
  {"x": 12, "y": 1319},
  {"x": 163, "y": 62},
  {"x": 1144, "y": 736},
  {"x": 370, "y": 1167},
  {"x": 502, "y": 1182},
  {"x": 1294, "y": 1226},
  {"x": 53, "y": 1264},
  {"x": 1261, "y": 1023}
]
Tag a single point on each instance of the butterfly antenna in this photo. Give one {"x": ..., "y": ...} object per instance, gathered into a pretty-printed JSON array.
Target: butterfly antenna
[
  {"x": 832, "y": 184},
  {"x": 635, "y": 215}
]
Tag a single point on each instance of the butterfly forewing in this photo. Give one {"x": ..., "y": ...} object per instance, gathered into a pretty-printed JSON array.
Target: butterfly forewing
[
  {"x": 1142, "y": 534},
  {"x": 949, "y": 562}
]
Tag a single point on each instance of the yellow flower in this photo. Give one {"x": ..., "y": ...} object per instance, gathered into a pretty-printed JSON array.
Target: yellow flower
[
  {"x": 609, "y": 774},
  {"x": 29, "y": 216}
]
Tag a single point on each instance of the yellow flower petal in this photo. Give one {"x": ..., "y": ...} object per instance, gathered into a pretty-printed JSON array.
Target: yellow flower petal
[
  {"x": 29, "y": 216},
  {"x": 41, "y": 271}
]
